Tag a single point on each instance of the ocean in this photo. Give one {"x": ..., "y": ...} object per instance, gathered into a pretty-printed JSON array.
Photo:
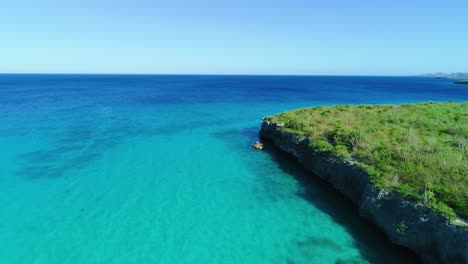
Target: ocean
[{"x": 159, "y": 169}]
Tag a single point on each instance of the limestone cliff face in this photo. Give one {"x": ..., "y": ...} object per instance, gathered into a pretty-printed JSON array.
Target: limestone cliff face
[{"x": 406, "y": 223}]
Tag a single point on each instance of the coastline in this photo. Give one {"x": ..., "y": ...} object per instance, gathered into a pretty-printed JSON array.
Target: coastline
[
  {"x": 405, "y": 222},
  {"x": 462, "y": 82}
]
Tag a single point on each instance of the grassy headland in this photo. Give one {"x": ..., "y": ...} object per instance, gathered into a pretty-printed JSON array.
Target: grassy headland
[
  {"x": 420, "y": 150},
  {"x": 462, "y": 82}
]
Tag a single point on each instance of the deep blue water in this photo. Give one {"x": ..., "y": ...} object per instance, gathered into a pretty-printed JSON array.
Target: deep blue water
[{"x": 159, "y": 169}]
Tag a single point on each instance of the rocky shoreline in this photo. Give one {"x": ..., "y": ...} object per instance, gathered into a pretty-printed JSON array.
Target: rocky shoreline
[{"x": 405, "y": 222}]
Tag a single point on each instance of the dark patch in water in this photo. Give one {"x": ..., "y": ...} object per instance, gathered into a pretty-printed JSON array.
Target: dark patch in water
[
  {"x": 76, "y": 148},
  {"x": 51, "y": 169},
  {"x": 39, "y": 156},
  {"x": 38, "y": 171},
  {"x": 320, "y": 242},
  {"x": 84, "y": 142},
  {"x": 352, "y": 260}
]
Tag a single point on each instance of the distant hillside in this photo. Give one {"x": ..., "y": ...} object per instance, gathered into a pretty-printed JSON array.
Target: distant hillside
[{"x": 454, "y": 76}]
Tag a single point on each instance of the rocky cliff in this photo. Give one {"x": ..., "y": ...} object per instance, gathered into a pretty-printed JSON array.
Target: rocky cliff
[{"x": 406, "y": 223}]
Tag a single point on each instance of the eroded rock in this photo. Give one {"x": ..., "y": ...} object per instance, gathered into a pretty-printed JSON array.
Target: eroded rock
[{"x": 257, "y": 145}]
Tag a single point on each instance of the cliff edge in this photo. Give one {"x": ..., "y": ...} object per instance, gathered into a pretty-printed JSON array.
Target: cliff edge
[{"x": 406, "y": 222}]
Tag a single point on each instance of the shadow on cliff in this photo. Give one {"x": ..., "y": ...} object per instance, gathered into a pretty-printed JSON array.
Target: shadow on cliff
[{"x": 368, "y": 239}]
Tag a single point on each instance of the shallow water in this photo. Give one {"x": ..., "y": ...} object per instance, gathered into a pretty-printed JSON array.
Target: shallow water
[{"x": 159, "y": 169}]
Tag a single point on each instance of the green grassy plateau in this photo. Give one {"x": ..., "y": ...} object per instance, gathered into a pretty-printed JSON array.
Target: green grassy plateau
[{"x": 420, "y": 150}]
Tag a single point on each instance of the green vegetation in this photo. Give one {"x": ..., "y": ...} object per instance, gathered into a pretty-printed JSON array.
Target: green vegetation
[
  {"x": 420, "y": 150},
  {"x": 402, "y": 228},
  {"x": 462, "y": 82}
]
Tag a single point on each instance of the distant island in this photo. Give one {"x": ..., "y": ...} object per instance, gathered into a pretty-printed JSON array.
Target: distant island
[
  {"x": 462, "y": 82},
  {"x": 441, "y": 75},
  {"x": 405, "y": 166}
]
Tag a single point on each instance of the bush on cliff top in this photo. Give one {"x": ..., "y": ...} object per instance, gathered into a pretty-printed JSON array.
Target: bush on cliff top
[{"x": 419, "y": 150}]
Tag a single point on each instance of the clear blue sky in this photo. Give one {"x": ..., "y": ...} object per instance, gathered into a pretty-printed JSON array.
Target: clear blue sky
[{"x": 365, "y": 37}]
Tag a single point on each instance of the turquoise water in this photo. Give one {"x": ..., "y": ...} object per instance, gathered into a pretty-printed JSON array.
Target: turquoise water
[{"x": 159, "y": 169}]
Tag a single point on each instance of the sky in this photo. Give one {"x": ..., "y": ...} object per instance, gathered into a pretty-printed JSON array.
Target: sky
[{"x": 366, "y": 37}]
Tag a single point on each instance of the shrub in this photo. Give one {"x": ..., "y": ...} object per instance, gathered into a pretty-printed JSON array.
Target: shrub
[{"x": 420, "y": 150}]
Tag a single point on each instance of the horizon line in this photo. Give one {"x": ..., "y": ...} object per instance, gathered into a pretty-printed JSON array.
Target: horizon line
[{"x": 202, "y": 74}]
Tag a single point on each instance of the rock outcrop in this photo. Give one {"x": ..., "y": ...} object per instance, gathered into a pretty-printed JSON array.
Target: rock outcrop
[
  {"x": 257, "y": 145},
  {"x": 405, "y": 222}
]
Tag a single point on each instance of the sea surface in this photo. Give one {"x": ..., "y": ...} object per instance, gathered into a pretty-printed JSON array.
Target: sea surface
[{"x": 159, "y": 169}]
